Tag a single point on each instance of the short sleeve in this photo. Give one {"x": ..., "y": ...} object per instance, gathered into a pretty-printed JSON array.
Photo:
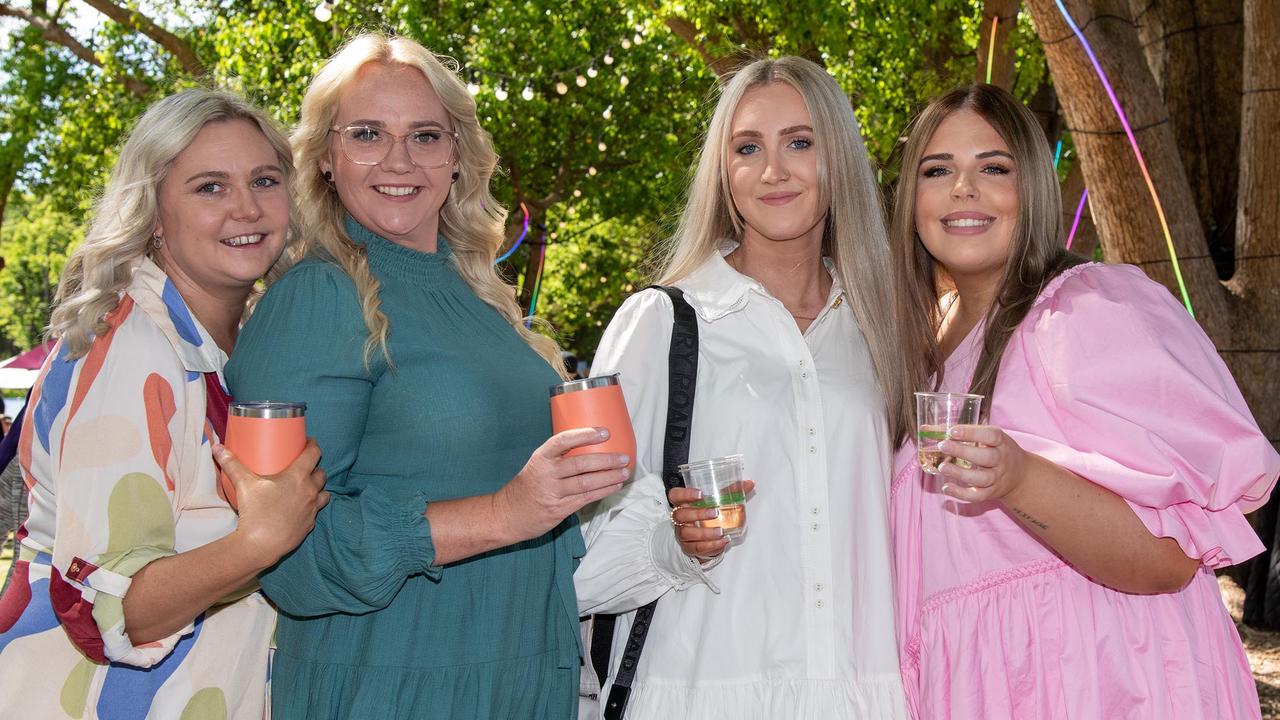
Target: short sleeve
[
  {"x": 305, "y": 342},
  {"x": 632, "y": 554},
  {"x": 1138, "y": 401}
]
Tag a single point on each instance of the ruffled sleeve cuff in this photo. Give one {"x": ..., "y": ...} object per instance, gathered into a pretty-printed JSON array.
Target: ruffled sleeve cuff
[
  {"x": 671, "y": 563},
  {"x": 1163, "y": 425},
  {"x": 411, "y": 534}
]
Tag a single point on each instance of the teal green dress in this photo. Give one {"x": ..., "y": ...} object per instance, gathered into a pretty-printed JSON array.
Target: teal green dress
[{"x": 370, "y": 626}]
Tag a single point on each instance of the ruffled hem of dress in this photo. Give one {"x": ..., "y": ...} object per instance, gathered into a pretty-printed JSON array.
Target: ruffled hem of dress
[
  {"x": 532, "y": 688},
  {"x": 878, "y": 698}
]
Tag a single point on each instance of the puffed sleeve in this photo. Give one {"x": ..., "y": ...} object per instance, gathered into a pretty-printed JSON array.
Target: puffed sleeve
[
  {"x": 305, "y": 342},
  {"x": 1138, "y": 401},
  {"x": 114, "y": 425},
  {"x": 632, "y": 554}
]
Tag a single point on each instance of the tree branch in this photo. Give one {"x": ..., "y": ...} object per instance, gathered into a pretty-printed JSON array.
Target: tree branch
[
  {"x": 138, "y": 22},
  {"x": 685, "y": 30},
  {"x": 53, "y": 32}
]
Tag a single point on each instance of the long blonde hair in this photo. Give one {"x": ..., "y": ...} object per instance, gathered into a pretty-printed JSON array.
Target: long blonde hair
[
  {"x": 1036, "y": 253},
  {"x": 854, "y": 236},
  {"x": 471, "y": 218},
  {"x": 125, "y": 216}
]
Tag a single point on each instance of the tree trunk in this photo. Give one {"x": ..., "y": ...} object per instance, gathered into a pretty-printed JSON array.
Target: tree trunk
[
  {"x": 1085, "y": 240},
  {"x": 1194, "y": 50},
  {"x": 536, "y": 243},
  {"x": 1122, "y": 206},
  {"x": 1002, "y": 15}
]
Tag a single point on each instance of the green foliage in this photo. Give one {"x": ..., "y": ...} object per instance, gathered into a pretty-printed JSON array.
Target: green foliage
[
  {"x": 601, "y": 167},
  {"x": 591, "y": 267},
  {"x": 34, "y": 243}
]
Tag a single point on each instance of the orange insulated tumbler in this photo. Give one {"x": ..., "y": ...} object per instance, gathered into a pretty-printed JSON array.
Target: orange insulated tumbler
[
  {"x": 594, "y": 402},
  {"x": 265, "y": 436}
]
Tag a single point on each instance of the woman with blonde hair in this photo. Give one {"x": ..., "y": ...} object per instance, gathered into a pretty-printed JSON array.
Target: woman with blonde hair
[
  {"x": 781, "y": 253},
  {"x": 1061, "y": 563},
  {"x": 134, "y": 589},
  {"x": 438, "y": 581}
]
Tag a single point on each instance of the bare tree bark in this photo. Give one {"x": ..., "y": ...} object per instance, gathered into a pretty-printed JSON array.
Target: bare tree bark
[
  {"x": 1002, "y": 16},
  {"x": 1122, "y": 205},
  {"x": 1195, "y": 52},
  {"x": 135, "y": 20}
]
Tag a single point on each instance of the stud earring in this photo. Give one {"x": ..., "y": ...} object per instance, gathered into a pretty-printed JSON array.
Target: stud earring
[
  {"x": 156, "y": 241},
  {"x": 455, "y": 176},
  {"x": 328, "y": 177}
]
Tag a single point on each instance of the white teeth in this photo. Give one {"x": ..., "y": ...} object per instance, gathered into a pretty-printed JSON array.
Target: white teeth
[
  {"x": 239, "y": 240},
  {"x": 967, "y": 222},
  {"x": 394, "y": 190}
]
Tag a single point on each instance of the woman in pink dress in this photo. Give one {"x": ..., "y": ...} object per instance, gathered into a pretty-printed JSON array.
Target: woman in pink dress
[{"x": 1068, "y": 571}]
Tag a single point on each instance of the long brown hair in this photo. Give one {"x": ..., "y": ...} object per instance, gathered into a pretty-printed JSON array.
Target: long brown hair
[
  {"x": 854, "y": 238},
  {"x": 1036, "y": 253}
]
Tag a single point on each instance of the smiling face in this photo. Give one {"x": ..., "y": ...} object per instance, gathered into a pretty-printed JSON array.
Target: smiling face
[
  {"x": 395, "y": 198},
  {"x": 223, "y": 211},
  {"x": 967, "y": 198},
  {"x": 773, "y": 166}
]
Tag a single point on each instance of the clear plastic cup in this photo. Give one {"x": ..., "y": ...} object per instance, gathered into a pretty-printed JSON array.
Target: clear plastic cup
[
  {"x": 936, "y": 414},
  {"x": 720, "y": 481}
]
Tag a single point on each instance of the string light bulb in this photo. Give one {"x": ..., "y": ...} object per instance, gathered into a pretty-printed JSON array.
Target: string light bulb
[
  {"x": 527, "y": 93},
  {"x": 608, "y": 59},
  {"x": 323, "y": 12},
  {"x": 602, "y": 147},
  {"x": 626, "y": 44},
  {"x": 473, "y": 88},
  {"x": 624, "y": 81},
  {"x": 592, "y": 72},
  {"x": 561, "y": 88},
  {"x": 608, "y": 113},
  {"x": 500, "y": 93},
  {"x": 592, "y": 171},
  {"x": 580, "y": 81}
]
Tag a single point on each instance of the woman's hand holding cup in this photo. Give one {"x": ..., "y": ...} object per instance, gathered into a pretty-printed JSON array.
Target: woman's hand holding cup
[
  {"x": 552, "y": 486},
  {"x": 700, "y": 543},
  {"x": 276, "y": 511}
]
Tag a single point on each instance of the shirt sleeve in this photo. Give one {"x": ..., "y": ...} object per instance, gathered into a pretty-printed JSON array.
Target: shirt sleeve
[
  {"x": 632, "y": 554},
  {"x": 1142, "y": 404},
  {"x": 114, "y": 426},
  {"x": 305, "y": 342}
]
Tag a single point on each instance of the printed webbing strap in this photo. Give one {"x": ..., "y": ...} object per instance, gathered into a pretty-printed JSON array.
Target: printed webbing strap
[{"x": 682, "y": 365}]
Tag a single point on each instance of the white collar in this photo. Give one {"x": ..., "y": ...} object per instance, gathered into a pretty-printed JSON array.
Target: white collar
[{"x": 715, "y": 289}]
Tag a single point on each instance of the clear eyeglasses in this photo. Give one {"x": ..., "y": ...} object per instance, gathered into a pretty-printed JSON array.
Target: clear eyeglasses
[{"x": 428, "y": 148}]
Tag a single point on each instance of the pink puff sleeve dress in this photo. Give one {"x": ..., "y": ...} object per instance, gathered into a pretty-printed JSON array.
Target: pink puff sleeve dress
[{"x": 1110, "y": 378}]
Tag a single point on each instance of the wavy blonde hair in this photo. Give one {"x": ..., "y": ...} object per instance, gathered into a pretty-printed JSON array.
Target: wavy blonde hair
[
  {"x": 126, "y": 214},
  {"x": 854, "y": 235},
  {"x": 471, "y": 218}
]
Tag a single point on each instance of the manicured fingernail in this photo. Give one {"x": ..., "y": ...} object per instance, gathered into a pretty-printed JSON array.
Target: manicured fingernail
[
  {"x": 604, "y": 433},
  {"x": 719, "y": 532},
  {"x": 944, "y": 446},
  {"x": 623, "y": 459}
]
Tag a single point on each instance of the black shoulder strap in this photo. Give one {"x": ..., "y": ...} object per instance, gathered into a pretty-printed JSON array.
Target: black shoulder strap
[{"x": 682, "y": 364}]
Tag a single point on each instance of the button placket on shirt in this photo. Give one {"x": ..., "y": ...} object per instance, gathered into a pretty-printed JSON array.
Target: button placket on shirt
[{"x": 816, "y": 543}]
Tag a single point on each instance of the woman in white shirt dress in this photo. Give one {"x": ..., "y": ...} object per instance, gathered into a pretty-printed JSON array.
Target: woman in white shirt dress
[{"x": 781, "y": 252}]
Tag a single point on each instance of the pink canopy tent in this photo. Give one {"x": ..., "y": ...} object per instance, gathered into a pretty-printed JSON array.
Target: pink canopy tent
[{"x": 21, "y": 370}]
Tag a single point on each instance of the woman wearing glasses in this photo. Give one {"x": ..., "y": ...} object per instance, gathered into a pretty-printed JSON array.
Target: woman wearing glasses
[{"x": 438, "y": 581}]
